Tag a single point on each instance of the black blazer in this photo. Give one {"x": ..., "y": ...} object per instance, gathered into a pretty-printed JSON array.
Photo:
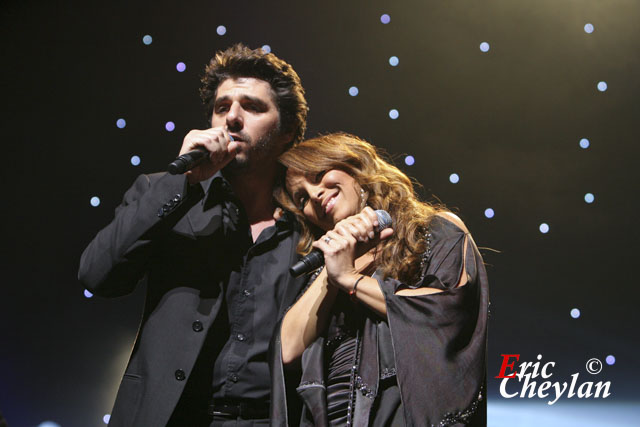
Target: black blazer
[{"x": 168, "y": 234}]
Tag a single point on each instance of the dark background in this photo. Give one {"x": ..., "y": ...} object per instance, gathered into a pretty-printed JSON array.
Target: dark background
[{"x": 507, "y": 121}]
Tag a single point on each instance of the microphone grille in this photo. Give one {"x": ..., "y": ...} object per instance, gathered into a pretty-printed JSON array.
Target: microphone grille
[{"x": 384, "y": 219}]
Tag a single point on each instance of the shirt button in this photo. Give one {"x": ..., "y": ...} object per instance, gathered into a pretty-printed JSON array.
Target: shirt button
[
  {"x": 160, "y": 212},
  {"x": 177, "y": 198},
  {"x": 180, "y": 376},
  {"x": 197, "y": 326},
  {"x": 233, "y": 378},
  {"x": 241, "y": 337},
  {"x": 246, "y": 292}
]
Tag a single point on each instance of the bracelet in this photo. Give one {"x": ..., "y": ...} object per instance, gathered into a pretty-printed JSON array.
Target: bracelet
[{"x": 352, "y": 292}]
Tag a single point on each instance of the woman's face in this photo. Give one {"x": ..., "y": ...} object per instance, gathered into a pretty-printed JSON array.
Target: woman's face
[{"x": 326, "y": 198}]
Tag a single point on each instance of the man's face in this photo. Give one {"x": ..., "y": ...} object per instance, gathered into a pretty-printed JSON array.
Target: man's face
[{"x": 246, "y": 107}]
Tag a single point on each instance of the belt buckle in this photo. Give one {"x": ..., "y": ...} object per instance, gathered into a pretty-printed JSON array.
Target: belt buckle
[{"x": 224, "y": 410}]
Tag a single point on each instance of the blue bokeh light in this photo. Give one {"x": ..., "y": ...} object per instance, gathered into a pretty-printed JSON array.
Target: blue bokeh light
[
  {"x": 544, "y": 228},
  {"x": 610, "y": 359},
  {"x": 454, "y": 178},
  {"x": 170, "y": 126},
  {"x": 385, "y": 18},
  {"x": 48, "y": 424},
  {"x": 353, "y": 91},
  {"x": 409, "y": 160},
  {"x": 135, "y": 160},
  {"x": 489, "y": 213},
  {"x": 394, "y": 114},
  {"x": 95, "y": 201},
  {"x": 87, "y": 294},
  {"x": 589, "y": 198},
  {"x": 266, "y": 48},
  {"x": 394, "y": 61},
  {"x": 181, "y": 66},
  {"x": 484, "y": 47},
  {"x": 575, "y": 313},
  {"x": 106, "y": 418},
  {"x": 602, "y": 86},
  {"x": 588, "y": 28},
  {"x": 221, "y": 30},
  {"x": 121, "y": 123},
  {"x": 147, "y": 39},
  {"x": 584, "y": 143}
]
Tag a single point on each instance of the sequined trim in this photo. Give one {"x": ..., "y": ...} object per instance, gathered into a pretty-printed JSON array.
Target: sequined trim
[
  {"x": 424, "y": 258},
  {"x": 460, "y": 417},
  {"x": 388, "y": 373},
  {"x": 352, "y": 381},
  {"x": 364, "y": 389},
  {"x": 335, "y": 340}
]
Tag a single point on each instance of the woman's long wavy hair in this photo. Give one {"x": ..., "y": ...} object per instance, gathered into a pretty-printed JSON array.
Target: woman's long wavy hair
[{"x": 387, "y": 187}]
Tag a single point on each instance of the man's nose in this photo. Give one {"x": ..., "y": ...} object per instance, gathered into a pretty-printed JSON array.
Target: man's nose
[{"x": 234, "y": 118}]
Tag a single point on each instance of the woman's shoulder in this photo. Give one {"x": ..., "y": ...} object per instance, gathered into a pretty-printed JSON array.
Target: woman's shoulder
[{"x": 446, "y": 223}]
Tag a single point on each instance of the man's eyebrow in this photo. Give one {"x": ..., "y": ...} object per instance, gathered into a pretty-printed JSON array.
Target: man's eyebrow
[{"x": 251, "y": 98}]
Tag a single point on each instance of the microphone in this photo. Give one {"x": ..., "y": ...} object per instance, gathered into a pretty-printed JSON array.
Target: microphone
[
  {"x": 315, "y": 258},
  {"x": 189, "y": 160}
]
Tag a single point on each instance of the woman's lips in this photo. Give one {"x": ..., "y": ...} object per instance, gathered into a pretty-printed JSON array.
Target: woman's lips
[{"x": 330, "y": 203}]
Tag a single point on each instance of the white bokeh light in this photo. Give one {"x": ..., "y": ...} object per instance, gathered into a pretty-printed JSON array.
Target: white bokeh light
[
  {"x": 588, "y": 28},
  {"x": 484, "y": 47},
  {"x": 575, "y": 313},
  {"x": 353, "y": 91},
  {"x": 394, "y": 114},
  {"x": 489, "y": 213},
  {"x": 584, "y": 143},
  {"x": 454, "y": 178},
  {"x": 602, "y": 86},
  {"x": 544, "y": 228},
  {"x": 147, "y": 39},
  {"x": 221, "y": 30},
  {"x": 394, "y": 61},
  {"x": 95, "y": 201},
  {"x": 589, "y": 198}
]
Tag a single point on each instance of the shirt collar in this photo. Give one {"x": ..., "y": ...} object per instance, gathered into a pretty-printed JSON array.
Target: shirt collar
[{"x": 218, "y": 189}]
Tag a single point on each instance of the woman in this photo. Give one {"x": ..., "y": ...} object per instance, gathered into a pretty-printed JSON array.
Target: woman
[{"x": 392, "y": 331}]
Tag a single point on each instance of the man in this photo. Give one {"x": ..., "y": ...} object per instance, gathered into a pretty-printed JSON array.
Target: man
[{"x": 214, "y": 253}]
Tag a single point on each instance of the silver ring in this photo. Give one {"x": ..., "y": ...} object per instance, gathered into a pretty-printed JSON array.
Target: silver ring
[{"x": 327, "y": 239}]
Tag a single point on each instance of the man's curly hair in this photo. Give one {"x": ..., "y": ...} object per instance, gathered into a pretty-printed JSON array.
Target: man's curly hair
[{"x": 240, "y": 61}]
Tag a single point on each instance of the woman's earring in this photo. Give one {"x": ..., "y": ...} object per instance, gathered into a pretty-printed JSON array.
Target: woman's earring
[{"x": 363, "y": 200}]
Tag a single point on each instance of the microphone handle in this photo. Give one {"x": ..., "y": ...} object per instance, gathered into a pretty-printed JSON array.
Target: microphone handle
[
  {"x": 310, "y": 262},
  {"x": 187, "y": 161}
]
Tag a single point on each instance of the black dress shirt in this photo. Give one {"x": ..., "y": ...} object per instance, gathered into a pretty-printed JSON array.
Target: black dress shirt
[
  {"x": 258, "y": 276},
  {"x": 233, "y": 362},
  {"x": 234, "y": 355}
]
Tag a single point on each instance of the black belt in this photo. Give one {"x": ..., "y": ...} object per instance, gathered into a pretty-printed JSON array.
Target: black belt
[{"x": 248, "y": 409}]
